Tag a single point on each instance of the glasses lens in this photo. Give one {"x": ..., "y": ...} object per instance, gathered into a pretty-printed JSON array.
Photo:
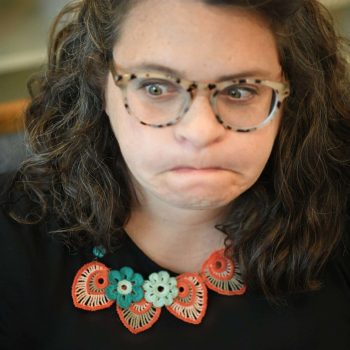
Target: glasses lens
[
  {"x": 156, "y": 101},
  {"x": 245, "y": 105}
]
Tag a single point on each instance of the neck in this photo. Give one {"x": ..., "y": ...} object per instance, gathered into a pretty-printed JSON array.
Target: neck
[{"x": 176, "y": 239}]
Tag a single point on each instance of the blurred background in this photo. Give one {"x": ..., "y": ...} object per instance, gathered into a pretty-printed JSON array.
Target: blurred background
[{"x": 24, "y": 27}]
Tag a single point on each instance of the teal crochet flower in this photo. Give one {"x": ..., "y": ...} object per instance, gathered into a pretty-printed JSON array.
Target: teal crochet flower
[
  {"x": 125, "y": 286},
  {"x": 160, "y": 289}
]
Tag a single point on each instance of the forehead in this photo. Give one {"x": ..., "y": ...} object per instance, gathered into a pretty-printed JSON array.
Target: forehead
[{"x": 201, "y": 41}]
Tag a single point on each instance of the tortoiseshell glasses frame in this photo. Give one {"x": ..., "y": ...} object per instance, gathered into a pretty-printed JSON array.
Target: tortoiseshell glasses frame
[{"x": 248, "y": 89}]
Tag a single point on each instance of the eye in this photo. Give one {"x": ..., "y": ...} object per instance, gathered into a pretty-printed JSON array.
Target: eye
[
  {"x": 157, "y": 88},
  {"x": 240, "y": 92}
]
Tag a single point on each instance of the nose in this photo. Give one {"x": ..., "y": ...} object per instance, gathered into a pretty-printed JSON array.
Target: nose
[{"x": 199, "y": 126}]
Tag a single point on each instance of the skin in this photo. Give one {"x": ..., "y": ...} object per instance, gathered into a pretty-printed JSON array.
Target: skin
[{"x": 186, "y": 175}]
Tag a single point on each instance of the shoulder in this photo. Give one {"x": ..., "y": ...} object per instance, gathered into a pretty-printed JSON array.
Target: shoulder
[
  {"x": 26, "y": 245},
  {"x": 34, "y": 265},
  {"x": 20, "y": 242},
  {"x": 17, "y": 240}
]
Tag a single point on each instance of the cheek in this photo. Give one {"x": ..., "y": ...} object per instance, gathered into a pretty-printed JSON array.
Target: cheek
[
  {"x": 125, "y": 129},
  {"x": 255, "y": 150},
  {"x": 122, "y": 124},
  {"x": 138, "y": 147},
  {"x": 258, "y": 158}
]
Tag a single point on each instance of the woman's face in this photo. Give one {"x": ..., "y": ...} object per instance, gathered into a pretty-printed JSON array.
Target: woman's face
[{"x": 195, "y": 164}]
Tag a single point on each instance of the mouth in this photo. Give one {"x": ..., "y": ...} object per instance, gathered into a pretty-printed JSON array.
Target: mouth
[{"x": 187, "y": 169}]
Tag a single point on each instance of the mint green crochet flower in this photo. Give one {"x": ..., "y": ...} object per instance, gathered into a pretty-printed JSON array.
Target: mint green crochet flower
[
  {"x": 125, "y": 286},
  {"x": 160, "y": 289}
]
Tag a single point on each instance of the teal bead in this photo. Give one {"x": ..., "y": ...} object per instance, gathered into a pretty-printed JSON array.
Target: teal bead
[{"x": 99, "y": 251}]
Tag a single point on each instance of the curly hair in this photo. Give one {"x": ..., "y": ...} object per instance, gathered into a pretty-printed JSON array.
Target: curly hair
[{"x": 283, "y": 229}]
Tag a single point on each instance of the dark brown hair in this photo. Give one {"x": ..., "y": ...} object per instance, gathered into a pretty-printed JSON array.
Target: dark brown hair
[{"x": 283, "y": 229}]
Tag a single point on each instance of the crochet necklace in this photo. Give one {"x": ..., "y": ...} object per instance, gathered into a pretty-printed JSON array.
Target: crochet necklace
[{"x": 139, "y": 301}]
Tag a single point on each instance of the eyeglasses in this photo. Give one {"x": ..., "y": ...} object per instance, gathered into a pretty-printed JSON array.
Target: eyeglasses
[{"x": 160, "y": 100}]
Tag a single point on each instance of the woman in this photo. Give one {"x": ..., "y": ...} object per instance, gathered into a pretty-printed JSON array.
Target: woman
[{"x": 188, "y": 182}]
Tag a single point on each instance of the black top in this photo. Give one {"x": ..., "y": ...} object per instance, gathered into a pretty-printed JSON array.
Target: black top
[{"x": 36, "y": 309}]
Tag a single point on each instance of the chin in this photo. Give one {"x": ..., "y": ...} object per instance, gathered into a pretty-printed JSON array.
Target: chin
[{"x": 199, "y": 202}]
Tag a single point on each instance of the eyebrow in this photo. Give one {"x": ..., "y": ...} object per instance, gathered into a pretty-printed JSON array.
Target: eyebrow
[{"x": 154, "y": 67}]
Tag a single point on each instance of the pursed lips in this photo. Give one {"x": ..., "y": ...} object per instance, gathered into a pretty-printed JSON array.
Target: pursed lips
[{"x": 185, "y": 168}]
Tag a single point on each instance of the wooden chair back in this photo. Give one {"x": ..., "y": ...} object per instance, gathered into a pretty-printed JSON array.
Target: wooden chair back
[{"x": 12, "y": 116}]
